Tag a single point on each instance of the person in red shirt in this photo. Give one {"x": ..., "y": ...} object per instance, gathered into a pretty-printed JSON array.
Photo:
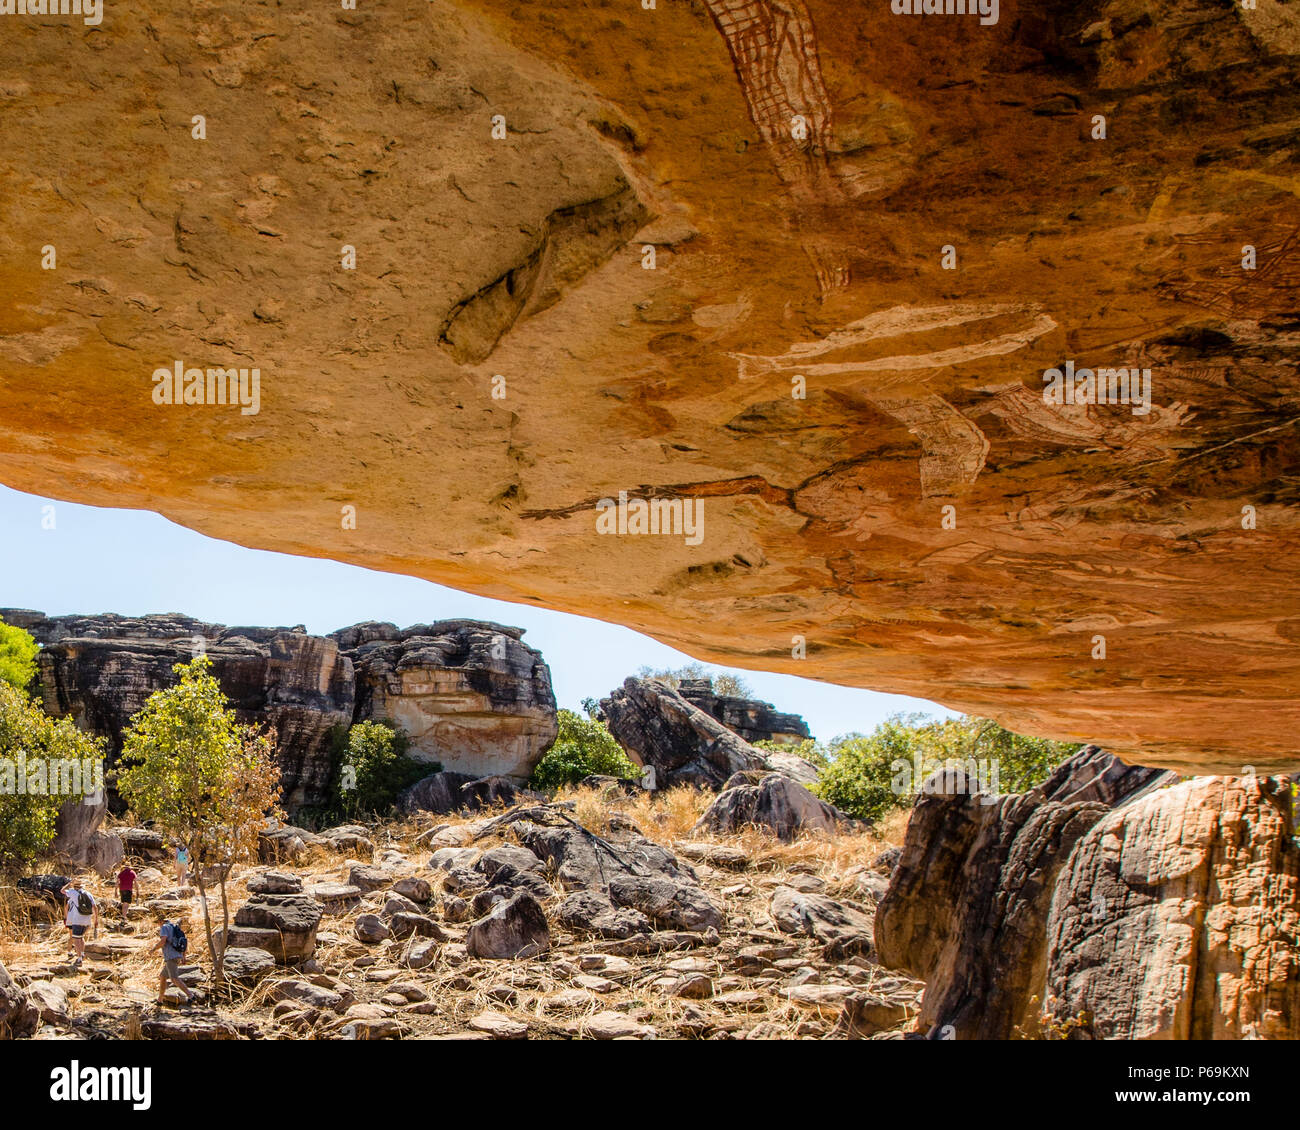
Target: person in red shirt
[{"x": 125, "y": 886}]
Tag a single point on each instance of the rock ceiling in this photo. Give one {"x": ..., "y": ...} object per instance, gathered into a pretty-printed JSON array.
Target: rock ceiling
[{"x": 794, "y": 266}]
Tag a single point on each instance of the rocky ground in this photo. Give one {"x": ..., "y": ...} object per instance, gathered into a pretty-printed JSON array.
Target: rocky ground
[{"x": 601, "y": 915}]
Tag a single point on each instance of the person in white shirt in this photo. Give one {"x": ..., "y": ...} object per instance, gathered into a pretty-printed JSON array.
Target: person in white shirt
[{"x": 83, "y": 911}]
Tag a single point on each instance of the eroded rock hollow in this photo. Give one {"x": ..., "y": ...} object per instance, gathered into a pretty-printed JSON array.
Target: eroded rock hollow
[{"x": 792, "y": 270}]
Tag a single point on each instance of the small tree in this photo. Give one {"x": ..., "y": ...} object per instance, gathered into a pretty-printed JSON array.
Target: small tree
[
  {"x": 17, "y": 656},
  {"x": 207, "y": 782},
  {"x": 30, "y": 802},
  {"x": 582, "y": 747}
]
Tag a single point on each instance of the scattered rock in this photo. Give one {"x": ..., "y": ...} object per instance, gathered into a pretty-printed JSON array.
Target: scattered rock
[{"x": 514, "y": 929}]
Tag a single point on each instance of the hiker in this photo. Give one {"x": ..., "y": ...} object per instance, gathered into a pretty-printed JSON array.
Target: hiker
[
  {"x": 125, "y": 887},
  {"x": 83, "y": 911},
  {"x": 182, "y": 866},
  {"x": 174, "y": 943}
]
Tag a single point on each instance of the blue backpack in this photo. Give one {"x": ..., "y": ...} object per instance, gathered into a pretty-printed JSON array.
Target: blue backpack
[{"x": 179, "y": 942}]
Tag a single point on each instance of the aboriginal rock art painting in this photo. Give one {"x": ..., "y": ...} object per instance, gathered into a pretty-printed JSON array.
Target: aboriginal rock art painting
[
  {"x": 773, "y": 47},
  {"x": 953, "y": 446}
]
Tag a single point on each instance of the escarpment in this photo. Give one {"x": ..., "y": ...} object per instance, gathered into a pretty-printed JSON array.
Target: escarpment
[{"x": 471, "y": 695}]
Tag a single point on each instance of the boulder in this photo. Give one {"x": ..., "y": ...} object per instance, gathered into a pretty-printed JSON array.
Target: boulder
[
  {"x": 19, "y": 1015},
  {"x": 144, "y": 843},
  {"x": 515, "y": 928},
  {"x": 246, "y": 966},
  {"x": 291, "y": 921},
  {"x": 445, "y": 792},
  {"x": 625, "y": 866},
  {"x": 774, "y": 803},
  {"x": 1176, "y": 917},
  {"x": 753, "y": 720},
  {"x": 660, "y": 728},
  {"x": 274, "y": 883},
  {"x": 967, "y": 905},
  {"x": 370, "y": 878},
  {"x": 370, "y": 928},
  {"x": 842, "y": 929},
  {"x": 414, "y": 888}
]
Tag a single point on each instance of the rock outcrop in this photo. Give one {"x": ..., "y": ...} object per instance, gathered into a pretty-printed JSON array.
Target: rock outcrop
[
  {"x": 1101, "y": 904},
  {"x": 685, "y": 745},
  {"x": 1176, "y": 918},
  {"x": 968, "y": 900},
  {"x": 753, "y": 720},
  {"x": 773, "y": 802},
  {"x": 470, "y": 694}
]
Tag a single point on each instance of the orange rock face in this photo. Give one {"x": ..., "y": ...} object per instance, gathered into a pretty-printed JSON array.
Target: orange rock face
[{"x": 792, "y": 269}]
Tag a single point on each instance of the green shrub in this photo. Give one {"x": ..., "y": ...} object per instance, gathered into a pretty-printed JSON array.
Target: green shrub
[
  {"x": 373, "y": 769},
  {"x": 726, "y": 684},
  {"x": 17, "y": 657},
  {"x": 582, "y": 747},
  {"x": 27, "y": 811},
  {"x": 870, "y": 775}
]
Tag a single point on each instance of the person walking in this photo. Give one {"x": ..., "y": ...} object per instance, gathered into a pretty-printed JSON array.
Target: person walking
[
  {"x": 174, "y": 943},
  {"x": 182, "y": 866},
  {"x": 125, "y": 887},
  {"x": 83, "y": 911}
]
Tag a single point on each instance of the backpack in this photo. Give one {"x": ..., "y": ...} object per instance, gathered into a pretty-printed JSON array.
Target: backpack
[
  {"x": 180, "y": 943},
  {"x": 85, "y": 904}
]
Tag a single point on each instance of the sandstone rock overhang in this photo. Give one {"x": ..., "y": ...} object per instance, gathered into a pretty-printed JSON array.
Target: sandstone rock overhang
[{"x": 805, "y": 171}]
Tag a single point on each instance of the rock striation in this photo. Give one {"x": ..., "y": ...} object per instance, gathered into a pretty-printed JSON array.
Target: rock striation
[
  {"x": 753, "y": 720},
  {"x": 659, "y": 727},
  {"x": 889, "y": 500},
  {"x": 1100, "y": 904},
  {"x": 471, "y": 695}
]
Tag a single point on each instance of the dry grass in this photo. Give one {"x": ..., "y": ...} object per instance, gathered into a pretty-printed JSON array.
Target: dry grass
[{"x": 460, "y": 990}]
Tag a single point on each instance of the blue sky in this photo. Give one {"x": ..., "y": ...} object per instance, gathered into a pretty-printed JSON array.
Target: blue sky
[{"x": 135, "y": 562}]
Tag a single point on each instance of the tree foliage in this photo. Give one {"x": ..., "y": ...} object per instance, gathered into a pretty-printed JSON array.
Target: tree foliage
[
  {"x": 869, "y": 775},
  {"x": 28, "y": 810},
  {"x": 375, "y": 768},
  {"x": 204, "y": 780},
  {"x": 17, "y": 656},
  {"x": 582, "y": 747}
]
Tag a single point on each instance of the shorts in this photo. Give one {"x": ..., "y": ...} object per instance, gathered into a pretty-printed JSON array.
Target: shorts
[
  {"x": 77, "y": 931},
  {"x": 172, "y": 968},
  {"x": 125, "y": 896}
]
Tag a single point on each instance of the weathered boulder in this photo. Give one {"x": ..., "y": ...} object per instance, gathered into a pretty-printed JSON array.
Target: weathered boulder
[
  {"x": 19, "y": 1016},
  {"x": 753, "y": 720},
  {"x": 967, "y": 906},
  {"x": 513, "y": 929},
  {"x": 773, "y": 802},
  {"x": 842, "y": 930},
  {"x": 471, "y": 695},
  {"x": 144, "y": 843},
  {"x": 446, "y": 791},
  {"x": 286, "y": 925},
  {"x": 245, "y": 965},
  {"x": 79, "y": 838},
  {"x": 274, "y": 883},
  {"x": 625, "y": 866},
  {"x": 592, "y": 912},
  {"x": 1176, "y": 918},
  {"x": 658, "y": 727}
]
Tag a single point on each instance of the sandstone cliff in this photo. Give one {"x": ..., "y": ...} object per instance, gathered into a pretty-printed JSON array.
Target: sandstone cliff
[{"x": 471, "y": 695}]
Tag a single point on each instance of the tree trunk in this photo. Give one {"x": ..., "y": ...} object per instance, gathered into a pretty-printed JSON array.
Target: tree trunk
[
  {"x": 225, "y": 927},
  {"x": 207, "y": 928}
]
